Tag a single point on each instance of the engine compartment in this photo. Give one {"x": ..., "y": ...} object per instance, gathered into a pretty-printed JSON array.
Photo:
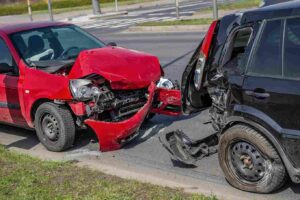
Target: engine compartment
[{"x": 116, "y": 105}]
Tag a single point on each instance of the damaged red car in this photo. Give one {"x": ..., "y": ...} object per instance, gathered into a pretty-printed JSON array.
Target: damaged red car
[{"x": 56, "y": 78}]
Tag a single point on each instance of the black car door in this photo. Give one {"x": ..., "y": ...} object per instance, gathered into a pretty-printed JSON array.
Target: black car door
[{"x": 271, "y": 87}]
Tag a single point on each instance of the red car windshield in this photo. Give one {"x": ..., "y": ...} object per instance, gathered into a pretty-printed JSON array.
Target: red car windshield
[{"x": 53, "y": 43}]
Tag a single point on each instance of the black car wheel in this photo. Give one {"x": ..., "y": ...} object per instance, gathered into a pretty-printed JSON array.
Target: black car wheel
[
  {"x": 55, "y": 127},
  {"x": 249, "y": 161}
]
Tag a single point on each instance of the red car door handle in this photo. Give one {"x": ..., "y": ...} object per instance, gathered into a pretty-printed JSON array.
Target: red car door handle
[{"x": 258, "y": 95}]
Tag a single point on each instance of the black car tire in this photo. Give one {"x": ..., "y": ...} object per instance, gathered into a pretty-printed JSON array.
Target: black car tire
[
  {"x": 55, "y": 126},
  {"x": 273, "y": 175}
]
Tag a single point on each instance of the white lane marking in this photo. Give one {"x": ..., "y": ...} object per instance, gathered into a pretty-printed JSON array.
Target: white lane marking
[
  {"x": 156, "y": 14},
  {"x": 142, "y": 20},
  {"x": 182, "y": 13},
  {"x": 149, "y": 131},
  {"x": 118, "y": 23},
  {"x": 105, "y": 23},
  {"x": 135, "y": 21}
]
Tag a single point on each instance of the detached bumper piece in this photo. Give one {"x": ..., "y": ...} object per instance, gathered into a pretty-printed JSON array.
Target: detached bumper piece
[
  {"x": 112, "y": 135},
  {"x": 187, "y": 151}
]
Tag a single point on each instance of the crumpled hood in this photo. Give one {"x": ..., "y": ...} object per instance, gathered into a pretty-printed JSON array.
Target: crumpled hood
[{"x": 123, "y": 68}]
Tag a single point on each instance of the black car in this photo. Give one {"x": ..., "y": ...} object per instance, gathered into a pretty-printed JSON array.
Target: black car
[{"x": 247, "y": 72}]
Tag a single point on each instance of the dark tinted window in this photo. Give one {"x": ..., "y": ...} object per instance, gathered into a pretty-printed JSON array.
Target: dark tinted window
[
  {"x": 292, "y": 49},
  {"x": 267, "y": 60},
  {"x": 6, "y": 58}
]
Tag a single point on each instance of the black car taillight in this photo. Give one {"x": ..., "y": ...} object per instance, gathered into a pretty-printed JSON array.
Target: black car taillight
[{"x": 204, "y": 53}]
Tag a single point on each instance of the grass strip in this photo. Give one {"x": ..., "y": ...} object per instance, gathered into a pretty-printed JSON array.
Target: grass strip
[{"x": 24, "y": 177}]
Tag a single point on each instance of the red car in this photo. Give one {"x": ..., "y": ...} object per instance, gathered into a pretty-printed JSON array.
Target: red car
[{"x": 56, "y": 78}]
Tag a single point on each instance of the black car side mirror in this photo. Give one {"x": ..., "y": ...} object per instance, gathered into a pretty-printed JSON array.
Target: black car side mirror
[
  {"x": 112, "y": 44},
  {"x": 5, "y": 68}
]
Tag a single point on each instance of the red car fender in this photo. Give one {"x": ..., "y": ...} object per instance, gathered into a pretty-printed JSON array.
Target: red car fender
[
  {"x": 38, "y": 85},
  {"x": 111, "y": 134}
]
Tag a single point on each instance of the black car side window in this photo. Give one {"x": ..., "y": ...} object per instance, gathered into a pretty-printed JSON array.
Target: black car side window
[
  {"x": 267, "y": 57},
  {"x": 291, "y": 59},
  {"x": 7, "y": 63},
  {"x": 236, "y": 49}
]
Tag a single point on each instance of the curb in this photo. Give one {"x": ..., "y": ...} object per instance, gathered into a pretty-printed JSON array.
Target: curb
[
  {"x": 162, "y": 178},
  {"x": 158, "y": 29}
]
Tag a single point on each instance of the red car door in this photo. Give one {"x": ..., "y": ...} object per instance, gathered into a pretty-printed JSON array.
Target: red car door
[{"x": 10, "y": 111}]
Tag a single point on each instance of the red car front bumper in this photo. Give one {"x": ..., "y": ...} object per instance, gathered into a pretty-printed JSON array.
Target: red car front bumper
[
  {"x": 167, "y": 102},
  {"x": 111, "y": 135}
]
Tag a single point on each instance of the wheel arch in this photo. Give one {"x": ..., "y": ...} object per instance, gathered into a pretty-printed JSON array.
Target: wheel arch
[
  {"x": 41, "y": 101},
  {"x": 35, "y": 106}
]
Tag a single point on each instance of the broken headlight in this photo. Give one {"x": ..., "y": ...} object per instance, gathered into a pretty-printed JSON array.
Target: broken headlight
[
  {"x": 165, "y": 83},
  {"x": 83, "y": 90}
]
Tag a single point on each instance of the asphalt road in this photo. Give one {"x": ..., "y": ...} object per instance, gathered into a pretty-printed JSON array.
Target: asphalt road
[
  {"x": 146, "y": 153},
  {"x": 148, "y": 14}
]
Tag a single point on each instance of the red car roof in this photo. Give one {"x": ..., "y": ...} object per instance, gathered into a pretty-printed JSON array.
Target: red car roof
[{"x": 13, "y": 28}]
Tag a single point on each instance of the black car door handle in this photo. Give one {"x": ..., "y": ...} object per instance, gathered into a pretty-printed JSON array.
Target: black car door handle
[{"x": 258, "y": 95}]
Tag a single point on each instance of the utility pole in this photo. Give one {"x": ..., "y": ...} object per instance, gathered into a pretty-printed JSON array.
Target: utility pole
[
  {"x": 215, "y": 9},
  {"x": 29, "y": 10},
  {"x": 116, "y": 2},
  {"x": 96, "y": 7},
  {"x": 177, "y": 8},
  {"x": 50, "y": 10}
]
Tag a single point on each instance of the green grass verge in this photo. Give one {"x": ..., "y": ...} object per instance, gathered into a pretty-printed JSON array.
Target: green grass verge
[
  {"x": 241, "y": 4},
  {"x": 24, "y": 177},
  {"x": 21, "y": 8},
  {"x": 202, "y": 21}
]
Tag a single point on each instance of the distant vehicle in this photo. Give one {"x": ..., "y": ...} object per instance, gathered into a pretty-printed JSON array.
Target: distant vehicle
[
  {"x": 272, "y": 2},
  {"x": 56, "y": 78},
  {"x": 247, "y": 71}
]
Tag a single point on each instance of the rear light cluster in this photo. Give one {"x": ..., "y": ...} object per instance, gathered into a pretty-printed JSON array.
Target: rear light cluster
[{"x": 204, "y": 53}]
